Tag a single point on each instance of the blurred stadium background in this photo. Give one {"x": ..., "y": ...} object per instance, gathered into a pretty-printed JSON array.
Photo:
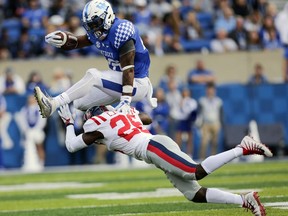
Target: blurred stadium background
[{"x": 23, "y": 53}]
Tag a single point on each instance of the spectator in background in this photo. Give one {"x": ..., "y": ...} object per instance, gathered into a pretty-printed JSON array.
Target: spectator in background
[
  {"x": 211, "y": 118},
  {"x": 254, "y": 42},
  {"x": 241, "y": 8},
  {"x": 35, "y": 79},
  {"x": 152, "y": 38},
  {"x": 185, "y": 114},
  {"x": 126, "y": 9},
  {"x": 172, "y": 32},
  {"x": 192, "y": 28},
  {"x": 143, "y": 106},
  {"x": 239, "y": 34},
  {"x": 259, "y": 5},
  {"x": 200, "y": 75},
  {"x": 60, "y": 81},
  {"x": 227, "y": 22},
  {"x": 202, "y": 6},
  {"x": 31, "y": 125},
  {"x": 281, "y": 21},
  {"x": 11, "y": 83},
  {"x": 170, "y": 76},
  {"x": 269, "y": 35},
  {"x": 25, "y": 48},
  {"x": 61, "y": 8},
  {"x": 159, "y": 7},
  {"x": 160, "y": 114},
  {"x": 35, "y": 19},
  {"x": 222, "y": 43},
  {"x": 173, "y": 98},
  {"x": 258, "y": 76},
  {"x": 142, "y": 16},
  {"x": 253, "y": 22},
  {"x": 271, "y": 10}
]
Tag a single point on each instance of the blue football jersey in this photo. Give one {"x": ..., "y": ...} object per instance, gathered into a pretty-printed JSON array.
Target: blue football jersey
[{"x": 120, "y": 32}]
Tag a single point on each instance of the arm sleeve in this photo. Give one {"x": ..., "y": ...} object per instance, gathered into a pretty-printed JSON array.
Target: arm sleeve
[{"x": 73, "y": 143}]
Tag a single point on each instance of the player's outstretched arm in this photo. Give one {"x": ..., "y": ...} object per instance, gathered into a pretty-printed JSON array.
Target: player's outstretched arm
[
  {"x": 75, "y": 143},
  {"x": 66, "y": 40}
]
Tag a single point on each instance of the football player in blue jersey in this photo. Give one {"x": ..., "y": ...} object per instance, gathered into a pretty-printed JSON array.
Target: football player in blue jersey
[{"x": 120, "y": 43}]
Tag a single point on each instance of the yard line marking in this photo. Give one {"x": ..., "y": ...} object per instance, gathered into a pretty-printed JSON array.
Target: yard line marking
[{"x": 47, "y": 186}]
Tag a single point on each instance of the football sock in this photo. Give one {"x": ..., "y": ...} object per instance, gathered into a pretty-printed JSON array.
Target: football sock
[
  {"x": 214, "y": 195},
  {"x": 61, "y": 99},
  {"x": 216, "y": 161}
]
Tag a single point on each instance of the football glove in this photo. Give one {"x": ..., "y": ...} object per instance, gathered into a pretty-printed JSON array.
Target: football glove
[
  {"x": 54, "y": 39},
  {"x": 66, "y": 115},
  {"x": 124, "y": 105}
]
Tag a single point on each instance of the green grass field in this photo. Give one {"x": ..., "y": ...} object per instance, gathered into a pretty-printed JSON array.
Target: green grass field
[{"x": 142, "y": 191}]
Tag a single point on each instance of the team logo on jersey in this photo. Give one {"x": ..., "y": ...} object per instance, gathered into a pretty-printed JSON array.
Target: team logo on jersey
[{"x": 98, "y": 44}]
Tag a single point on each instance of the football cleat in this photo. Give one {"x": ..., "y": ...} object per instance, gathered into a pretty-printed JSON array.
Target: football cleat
[
  {"x": 252, "y": 202},
  {"x": 251, "y": 146},
  {"x": 46, "y": 105}
]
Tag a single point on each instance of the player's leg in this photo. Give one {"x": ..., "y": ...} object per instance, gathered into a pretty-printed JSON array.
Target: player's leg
[
  {"x": 195, "y": 193},
  {"x": 247, "y": 146},
  {"x": 95, "y": 97},
  {"x": 78, "y": 90},
  {"x": 164, "y": 153}
]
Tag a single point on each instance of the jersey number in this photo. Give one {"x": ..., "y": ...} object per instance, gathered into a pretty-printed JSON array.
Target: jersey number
[{"x": 127, "y": 132}]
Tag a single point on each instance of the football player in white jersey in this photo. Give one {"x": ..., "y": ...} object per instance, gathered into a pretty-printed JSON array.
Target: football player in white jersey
[
  {"x": 128, "y": 60},
  {"x": 126, "y": 133}
]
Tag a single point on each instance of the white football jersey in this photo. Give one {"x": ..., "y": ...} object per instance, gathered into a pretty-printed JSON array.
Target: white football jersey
[{"x": 123, "y": 133}]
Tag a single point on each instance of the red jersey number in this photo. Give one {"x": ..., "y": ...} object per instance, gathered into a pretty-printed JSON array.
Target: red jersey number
[{"x": 130, "y": 128}]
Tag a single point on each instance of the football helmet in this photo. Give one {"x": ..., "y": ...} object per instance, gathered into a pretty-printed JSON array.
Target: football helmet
[
  {"x": 98, "y": 17},
  {"x": 94, "y": 111}
]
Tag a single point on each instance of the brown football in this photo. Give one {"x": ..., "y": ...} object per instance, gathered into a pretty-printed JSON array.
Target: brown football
[{"x": 70, "y": 40}]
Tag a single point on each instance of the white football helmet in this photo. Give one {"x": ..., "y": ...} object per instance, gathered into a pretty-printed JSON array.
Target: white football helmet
[{"x": 98, "y": 17}]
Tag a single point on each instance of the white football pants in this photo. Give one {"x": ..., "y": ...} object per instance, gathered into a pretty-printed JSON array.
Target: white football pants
[{"x": 105, "y": 87}]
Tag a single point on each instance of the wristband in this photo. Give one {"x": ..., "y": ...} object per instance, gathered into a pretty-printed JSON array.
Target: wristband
[
  {"x": 127, "y": 89},
  {"x": 127, "y": 67}
]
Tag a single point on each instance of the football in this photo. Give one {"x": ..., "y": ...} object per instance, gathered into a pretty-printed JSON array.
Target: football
[{"x": 69, "y": 40}]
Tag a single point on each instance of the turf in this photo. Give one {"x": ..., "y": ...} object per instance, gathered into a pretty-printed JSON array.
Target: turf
[{"x": 269, "y": 177}]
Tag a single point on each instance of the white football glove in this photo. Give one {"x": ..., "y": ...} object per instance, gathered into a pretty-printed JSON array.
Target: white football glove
[
  {"x": 66, "y": 115},
  {"x": 55, "y": 40},
  {"x": 124, "y": 105}
]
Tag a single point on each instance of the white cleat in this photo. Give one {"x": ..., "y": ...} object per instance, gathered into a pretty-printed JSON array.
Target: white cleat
[
  {"x": 251, "y": 146},
  {"x": 252, "y": 202},
  {"x": 46, "y": 105}
]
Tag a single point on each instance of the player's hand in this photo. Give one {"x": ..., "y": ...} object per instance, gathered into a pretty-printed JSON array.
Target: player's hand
[
  {"x": 124, "y": 105},
  {"x": 54, "y": 39},
  {"x": 66, "y": 115}
]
